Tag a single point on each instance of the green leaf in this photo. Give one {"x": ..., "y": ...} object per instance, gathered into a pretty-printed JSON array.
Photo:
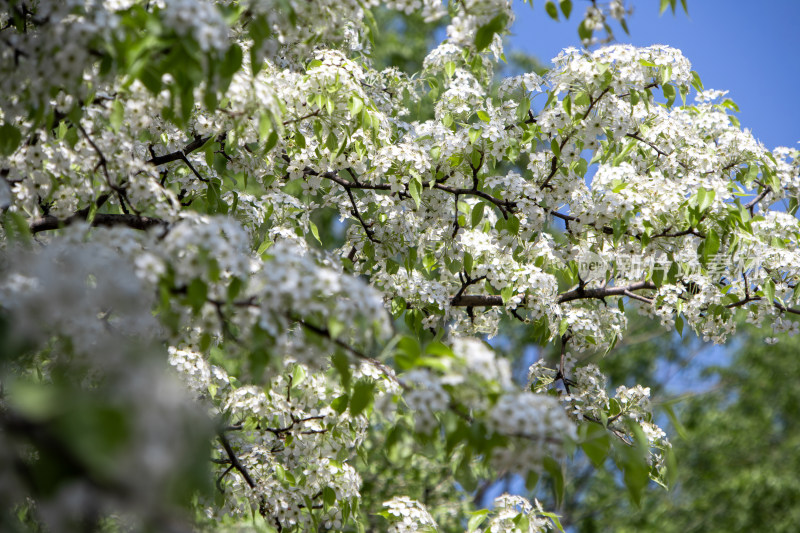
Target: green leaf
[
  {"x": 331, "y": 143},
  {"x": 335, "y": 327},
  {"x": 272, "y": 140},
  {"x": 465, "y": 475},
  {"x": 666, "y": 74},
  {"x": 636, "y": 471},
  {"x": 523, "y": 108},
  {"x": 507, "y": 293},
  {"x": 680, "y": 429},
  {"x": 392, "y": 268},
  {"x": 730, "y": 104},
  {"x": 280, "y": 472},
  {"x": 476, "y": 520},
  {"x": 679, "y": 325},
  {"x": 711, "y": 244},
  {"x": 10, "y": 138},
  {"x": 554, "y": 517},
  {"x": 116, "y": 116},
  {"x": 485, "y": 34},
  {"x": 342, "y": 365},
  {"x": 214, "y": 197},
  {"x": 566, "y": 7},
  {"x": 669, "y": 93},
  {"x": 467, "y": 262},
  {"x": 477, "y": 214},
  {"x": 414, "y": 189},
  {"x": 703, "y": 199},
  {"x": 566, "y": 103},
  {"x": 563, "y": 326},
  {"x": 483, "y": 115},
  {"x": 356, "y": 105},
  {"x": 232, "y": 62},
  {"x": 339, "y": 404},
  {"x": 581, "y": 166},
  {"x": 314, "y": 231},
  {"x": 596, "y": 443},
  {"x": 551, "y": 10},
  {"x": 438, "y": 348},
  {"x": 264, "y": 126},
  {"x": 769, "y": 291},
  {"x": 235, "y": 288},
  {"x": 298, "y": 375},
  {"x": 658, "y": 277},
  {"x": 557, "y": 476},
  {"x": 584, "y": 31},
  {"x": 429, "y": 261},
  {"x": 299, "y": 140},
  {"x": 61, "y": 131},
  {"x": 696, "y": 81},
  {"x": 512, "y": 225},
  {"x": 554, "y": 146},
  {"x": 196, "y": 293},
  {"x": 664, "y": 6},
  {"x": 476, "y": 159},
  {"x": 684, "y": 92},
  {"x": 328, "y": 497},
  {"x": 363, "y": 392}
]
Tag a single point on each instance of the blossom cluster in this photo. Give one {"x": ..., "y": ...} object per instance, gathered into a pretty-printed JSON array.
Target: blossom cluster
[
  {"x": 586, "y": 400},
  {"x": 177, "y": 169}
]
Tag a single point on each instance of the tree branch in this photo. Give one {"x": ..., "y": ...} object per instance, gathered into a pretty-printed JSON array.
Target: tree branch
[
  {"x": 579, "y": 293},
  {"x": 226, "y": 445},
  {"x": 179, "y": 154},
  {"x": 139, "y": 222}
]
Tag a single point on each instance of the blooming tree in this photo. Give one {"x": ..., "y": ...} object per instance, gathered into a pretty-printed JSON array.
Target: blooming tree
[{"x": 244, "y": 270}]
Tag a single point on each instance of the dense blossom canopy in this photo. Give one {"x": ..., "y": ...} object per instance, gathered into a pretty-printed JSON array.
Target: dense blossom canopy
[{"x": 316, "y": 247}]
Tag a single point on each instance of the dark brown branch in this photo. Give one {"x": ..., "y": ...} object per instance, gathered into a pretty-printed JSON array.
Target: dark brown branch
[
  {"x": 466, "y": 281},
  {"x": 594, "y": 101},
  {"x": 650, "y": 85},
  {"x": 139, "y": 222},
  {"x": 226, "y": 445},
  {"x": 504, "y": 205},
  {"x": 191, "y": 167},
  {"x": 639, "y": 297},
  {"x": 103, "y": 162},
  {"x": 278, "y": 432},
  {"x": 560, "y": 374},
  {"x": 301, "y": 118},
  {"x": 751, "y": 206},
  {"x": 580, "y": 293},
  {"x": 456, "y": 226},
  {"x": 179, "y": 154},
  {"x": 690, "y": 231},
  {"x": 477, "y": 300},
  {"x": 652, "y": 145},
  {"x": 583, "y": 293},
  {"x": 323, "y": 332},
  {"x": 356, "y": 213}
]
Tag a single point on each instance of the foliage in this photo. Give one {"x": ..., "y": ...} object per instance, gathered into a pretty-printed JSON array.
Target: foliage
[
  {"x": 736, "y": 447},
  {"x": 171, "y": 173}
]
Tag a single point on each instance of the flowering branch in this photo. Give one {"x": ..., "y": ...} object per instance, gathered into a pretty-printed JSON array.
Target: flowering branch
[
  {"x": 139, "y": 222},
  {"x": 579, "y": 293}
]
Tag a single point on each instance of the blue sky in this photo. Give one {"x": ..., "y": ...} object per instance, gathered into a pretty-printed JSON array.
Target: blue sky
[{"x": 746, "y": 47}]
